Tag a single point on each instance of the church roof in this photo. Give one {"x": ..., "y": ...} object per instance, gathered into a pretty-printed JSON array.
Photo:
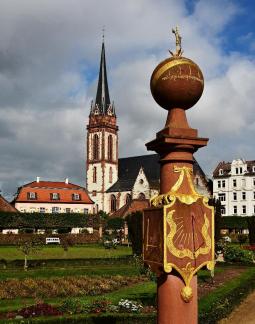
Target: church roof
[
  {"x": 102, "y": 96},
  {"x": 129, "y": 168},
  {"x": 131, "y": 207}
]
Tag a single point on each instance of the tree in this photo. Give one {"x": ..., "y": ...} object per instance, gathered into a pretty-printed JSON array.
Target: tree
[
  {"x": 27, "y": 248},
  {"x": 251, "y": 227},
  {"x": 135, "y": 231}
]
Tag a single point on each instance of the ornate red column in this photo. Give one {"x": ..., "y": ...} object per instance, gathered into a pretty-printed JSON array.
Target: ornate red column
[{"x": 178, "y": 228}]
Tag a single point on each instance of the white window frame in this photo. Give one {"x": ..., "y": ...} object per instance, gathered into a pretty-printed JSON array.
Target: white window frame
[{"x": 55, "y": 196}]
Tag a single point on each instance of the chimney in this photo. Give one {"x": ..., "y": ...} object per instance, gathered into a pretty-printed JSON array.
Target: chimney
[
  {"x": 37, "y": 179},
  {"x": 66, "y": 181}
]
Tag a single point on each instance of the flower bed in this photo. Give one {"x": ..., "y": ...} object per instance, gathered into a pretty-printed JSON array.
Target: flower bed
[{"x": 63, "y": 287}]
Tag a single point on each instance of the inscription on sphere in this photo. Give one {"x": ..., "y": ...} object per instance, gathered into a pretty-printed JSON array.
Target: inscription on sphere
[{"x": 177, "y": 82}]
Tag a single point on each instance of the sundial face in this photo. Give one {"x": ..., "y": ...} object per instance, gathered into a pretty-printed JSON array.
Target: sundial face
[{"x": 188, "y": 234}]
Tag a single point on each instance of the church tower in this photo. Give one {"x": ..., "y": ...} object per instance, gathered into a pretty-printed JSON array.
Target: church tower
[{"x": 102, "y": 142}]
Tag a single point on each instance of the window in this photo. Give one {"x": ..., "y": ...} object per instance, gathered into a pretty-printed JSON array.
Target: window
[
  {"x": 141, "y": 181},
  {"x": 234, "y": 196},
  {"x": 235, "y": 210},
  {"x": 234, "y": 182},
  {"x": 85, "y": 211},
  {"x": 110, "y": 147},
  {"x": 223, "y": 183},
  {"x": 219, "y": 184},
  {"x": 55, "y": 196},
  {"x": 141, "y": 196},
  {"x": 42, "y": 210},
  {"x": 128, "y": 198},
  {"x": 237, "y": 170},
  {"x": 223, "y": 210},
  {"x": 244, "y": 209},
  {"x": 254, "y": 182},
  {"x": 244, "y": 195},
  {"x": 220, "y": 172},
  {"x": 94, "y": 174},
  {"x": 55, "y": 210},
  {"x": 222, "y": 196},
  {"x": 241, "y": 170},
  {"x": 110, "y": 175},
  {"x": 113, "y": 202},
  {"x": 243, "y": 182},
  {"x": 96, "y": 147},
  {"x": 253, "y": 209},
  {"x": 253, "y": 194},
  {"x": 253, "y": 168},
  {"x": 94, "y": 193},
  {"x": 68, "y": 210},
  {"x": 76, "y": 196},
  {"x": 31, "y": 195}
]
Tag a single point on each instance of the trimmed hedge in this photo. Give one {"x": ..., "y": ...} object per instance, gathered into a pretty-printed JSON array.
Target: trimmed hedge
[
  {"x": 222, "y": 301},
  {"x": 14, "y": 239},
  {"x": 46, "y": 221},
  {"x": 13, "y": 264},
  {"x": 94, "y": 319},
  {"x": 234, "y": 222}
]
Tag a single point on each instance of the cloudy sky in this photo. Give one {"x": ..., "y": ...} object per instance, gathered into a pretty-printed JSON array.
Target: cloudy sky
[{"x": 49, "y": 59}]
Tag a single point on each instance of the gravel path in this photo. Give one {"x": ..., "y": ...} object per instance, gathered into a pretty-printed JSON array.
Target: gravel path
[{"x": 244, "y": 313}]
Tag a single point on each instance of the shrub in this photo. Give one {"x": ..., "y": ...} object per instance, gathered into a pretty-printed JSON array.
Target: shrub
[
  {"x": 237, "y": 254},
  {"x": 135, "y": 231},
  {"x": 242, "y": 238}
]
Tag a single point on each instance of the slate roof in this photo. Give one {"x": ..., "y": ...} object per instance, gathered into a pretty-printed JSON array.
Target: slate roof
[
  {"x": 226, "y": 168},
  {"x": 128, "y": 171},
  {"x": 129, "y": 168}
]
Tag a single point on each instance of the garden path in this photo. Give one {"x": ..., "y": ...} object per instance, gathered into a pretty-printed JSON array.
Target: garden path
[{"x": 244, "y": 313}]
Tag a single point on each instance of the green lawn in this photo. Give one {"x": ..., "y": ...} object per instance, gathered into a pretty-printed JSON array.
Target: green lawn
[{"x": 57, "y": 252}]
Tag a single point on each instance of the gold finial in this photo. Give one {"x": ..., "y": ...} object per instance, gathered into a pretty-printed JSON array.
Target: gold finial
[{"x": 178, "y": 43}]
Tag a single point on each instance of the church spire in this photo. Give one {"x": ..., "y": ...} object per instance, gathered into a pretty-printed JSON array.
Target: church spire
[{"x": 102, "y": 104}]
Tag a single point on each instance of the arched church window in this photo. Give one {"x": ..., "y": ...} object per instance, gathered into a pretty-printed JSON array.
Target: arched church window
[
  {"x": 110, "y": 148},
  {"x": 110, "y": 175},
  {"x": 96, "y": 147},
  {"x": 113, "y": 203},
  {"x": 128, "y": 198},
  {"x": 94, "y": 174},
  {"x": 141, "y": 196}
]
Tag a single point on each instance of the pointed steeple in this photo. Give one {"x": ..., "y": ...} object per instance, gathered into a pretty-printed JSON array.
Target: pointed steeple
[{"x": 102, "y": 104}]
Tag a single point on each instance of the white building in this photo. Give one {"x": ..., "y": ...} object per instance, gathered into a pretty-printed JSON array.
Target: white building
[
  {"x": 53, "y": 197},
  {"x": 234, "y": 186}
]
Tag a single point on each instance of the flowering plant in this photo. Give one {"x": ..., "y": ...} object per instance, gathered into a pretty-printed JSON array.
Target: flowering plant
[{"x": 129, "y": 306}]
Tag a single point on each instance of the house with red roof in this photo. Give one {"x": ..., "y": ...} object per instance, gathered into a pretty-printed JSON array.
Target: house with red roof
[{"x": 53, "y": 197}]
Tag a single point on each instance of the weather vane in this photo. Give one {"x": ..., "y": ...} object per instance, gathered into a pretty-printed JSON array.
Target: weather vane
[
  {"x": 103, "y": 31},
  {"x": 178, "y": 43}
]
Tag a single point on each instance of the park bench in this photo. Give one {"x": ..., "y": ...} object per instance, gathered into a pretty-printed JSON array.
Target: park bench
[{"x": 52, "y": 240}]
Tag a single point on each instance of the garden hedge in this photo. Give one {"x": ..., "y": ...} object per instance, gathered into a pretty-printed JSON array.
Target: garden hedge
[
  {"x": 47, "y": 221},
  {"x": 94, "y": 319},
  {"x": 62, "y": 263},
  {"x": 14, "y": 239}
]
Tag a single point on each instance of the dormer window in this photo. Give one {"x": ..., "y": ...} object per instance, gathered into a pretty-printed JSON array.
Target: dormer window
[
  {"x": 76, "y": 196},
  {"x": 220, "y": 172},
  {"x": 31, "y": 195},
  {"x": 55, "y": 196}
]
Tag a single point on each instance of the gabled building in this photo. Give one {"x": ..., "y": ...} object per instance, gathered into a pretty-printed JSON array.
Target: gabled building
[
  {"x": 234, "y": 186},
  {"x": 5, "y": 206},
  {"x": 113, "y": 182},
  {"x": 53, "y": 197}
]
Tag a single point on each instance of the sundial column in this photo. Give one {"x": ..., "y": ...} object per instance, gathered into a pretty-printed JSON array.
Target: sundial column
[{"x": 172, "y": 250}]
